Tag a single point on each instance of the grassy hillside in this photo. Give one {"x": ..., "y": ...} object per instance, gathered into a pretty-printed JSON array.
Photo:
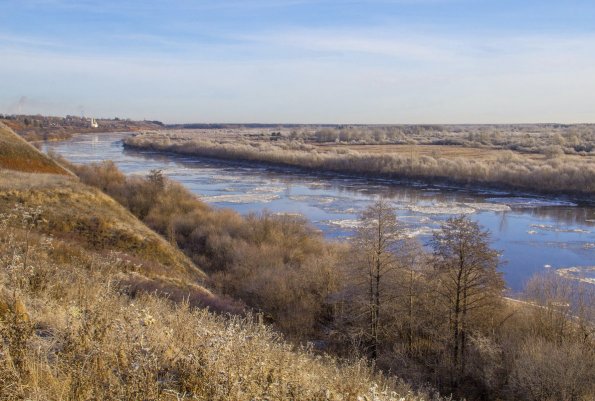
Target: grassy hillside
[
  {"x": 69, "y": 333},
  {"x": 84, "y": 217},
  {"x": 83, "y": 316},
  {"x": 17, "y": 154}
]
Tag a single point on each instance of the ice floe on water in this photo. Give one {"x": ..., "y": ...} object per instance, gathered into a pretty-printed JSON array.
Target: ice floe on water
[
  {"x": 234, "y": 178},
  {"x": 267, "y": 189},
  {"x": 354, "y": 224},
  {"x": 313, "y": 198},
  {"x": 240, "y": 198},
  {"x": 289, "y": 214},
  {"x": 524, "y": 202},
  {"x": 344, "y": 223},
  {"x": 585, "y": 274},
  {"x": 548, "y": 227},
  {"x": 414, "y": 217},
  {"x": 441, "y": 208},
  {"x": 418, "y": 232},
  {"x": 488, "y": 207}
]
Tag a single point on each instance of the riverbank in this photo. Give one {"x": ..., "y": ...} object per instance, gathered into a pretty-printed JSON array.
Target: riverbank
[
  {"x": 47, "y": 128},
  {"x": 572, "y": 176}
]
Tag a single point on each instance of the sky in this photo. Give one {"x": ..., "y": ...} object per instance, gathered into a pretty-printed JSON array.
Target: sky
[{"x": 301, "y": 61}]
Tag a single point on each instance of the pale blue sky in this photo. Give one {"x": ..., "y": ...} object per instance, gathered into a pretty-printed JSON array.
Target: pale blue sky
[{"x": 303, "y": 61}]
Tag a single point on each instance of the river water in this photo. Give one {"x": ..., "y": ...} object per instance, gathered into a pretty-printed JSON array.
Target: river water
[{"x": 533, "y": 233}]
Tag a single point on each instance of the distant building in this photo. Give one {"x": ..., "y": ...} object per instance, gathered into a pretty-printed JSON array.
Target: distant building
[{"x": 94, "y": 123}]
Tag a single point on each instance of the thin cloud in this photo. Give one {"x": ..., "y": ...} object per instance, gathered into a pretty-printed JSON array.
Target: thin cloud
[
  {"x": 388, "y": 44},
  {"x": 20, "y": 40}
]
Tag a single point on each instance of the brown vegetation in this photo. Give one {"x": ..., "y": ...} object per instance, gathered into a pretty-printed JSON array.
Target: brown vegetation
[
  {"x": 441, "y": 317},
  {"x": 402, "y": 312},
  {"x": 73, "y": 211},
  {"x": 276, "y": 264},
  {"x": 70, "y": 260},
  {"x": 16, "y": 154},
  {"x": 78, "y": 319},
  {"x": 509, "y": 169},
  {"x": 68, "y": 332}
]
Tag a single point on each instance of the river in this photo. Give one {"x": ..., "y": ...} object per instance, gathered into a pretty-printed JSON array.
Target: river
[{"x": 533, "y": 233}]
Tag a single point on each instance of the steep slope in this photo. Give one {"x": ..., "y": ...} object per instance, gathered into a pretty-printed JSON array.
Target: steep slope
[
  {"x": 79, "y": 213},
  {"x": 85, "y": 217},
  {"x": 18, "y": 154}
]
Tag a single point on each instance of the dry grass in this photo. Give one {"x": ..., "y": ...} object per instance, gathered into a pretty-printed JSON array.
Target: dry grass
[
  {"x": 69, "y": 333},
  {"x": 83, "y": 214},
  {"x": 554, "y": 174},
  {"x": 17, "y": 154}
]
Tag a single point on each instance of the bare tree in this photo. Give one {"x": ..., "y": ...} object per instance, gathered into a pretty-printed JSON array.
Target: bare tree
[
  {"x": 468, "y": 280},
  {"x": 375, "y": 245},
  {"x": 412, "y": 290}
]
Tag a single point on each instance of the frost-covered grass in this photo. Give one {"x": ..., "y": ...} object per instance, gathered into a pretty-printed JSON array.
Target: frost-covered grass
[
  {"x": 70, "y": 333},
  {"x": 555, "y": 174}
]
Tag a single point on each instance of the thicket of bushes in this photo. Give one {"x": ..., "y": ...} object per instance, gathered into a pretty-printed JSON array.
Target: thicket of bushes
[
  {"x": 276, "y": 264},
  {"x": 513, "y": 170}
]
